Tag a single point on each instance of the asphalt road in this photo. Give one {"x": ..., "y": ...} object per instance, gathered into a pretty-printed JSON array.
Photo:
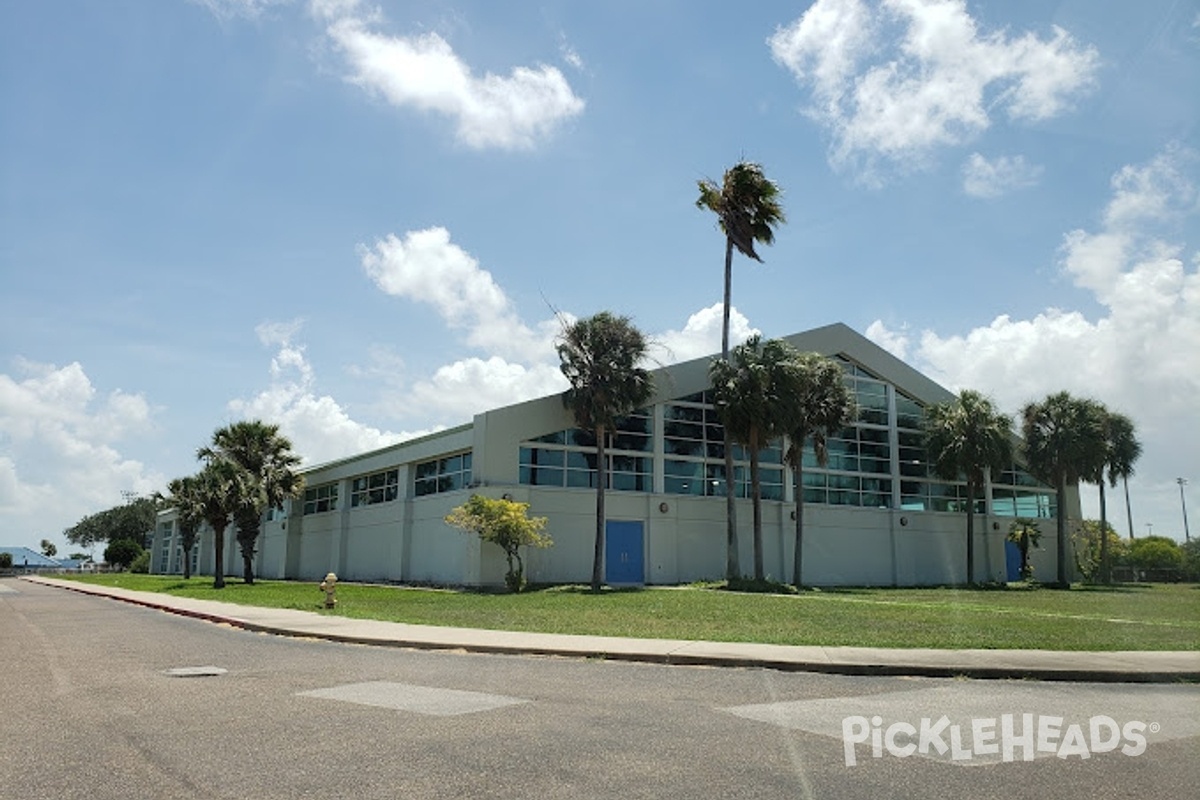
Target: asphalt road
[{"x": 90, "y": 709}]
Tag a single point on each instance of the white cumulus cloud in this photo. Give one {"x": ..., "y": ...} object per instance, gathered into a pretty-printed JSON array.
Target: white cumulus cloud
[
  {"x": 893, "y": 80},
  {"x": 320, "y": 429},
  {"x": 427, "y": 267},
  {"x": 1140, "y": 357},
  {"x": 473, "y": 385},
  {"x": 701, "y": 335},
  {"x": 60, "y": 449},
  {"x": 423, "y": 72},
  {"x": 249, "y": 9},
  {"x": 984, "y": 178}
]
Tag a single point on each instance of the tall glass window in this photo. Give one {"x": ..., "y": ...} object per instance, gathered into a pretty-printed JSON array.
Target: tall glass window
[
  {"x": 1016, "y": 493},
  {"x": 568, "y": 458},
  {"x": 320, "y": 499},
  {"x": 442, "y": 474},
  {"x": 380, "y": 487},
  {"x": 165, "y": 533},
  {"x": 694, "y": 445}
]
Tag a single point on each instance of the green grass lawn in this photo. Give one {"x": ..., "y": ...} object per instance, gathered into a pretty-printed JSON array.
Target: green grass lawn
[{"x": 1127, "y": 617}]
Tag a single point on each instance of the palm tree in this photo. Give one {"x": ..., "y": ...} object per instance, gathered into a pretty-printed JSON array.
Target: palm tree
[
  {"x": 967, "y": 437},
  {"x": 817, "y": 404},
  {"x": 185, "y": 497},
  {"x": 746, "y": 390},
  {"x": 748, "y": 211},
  {"x": 1121, "y": 450},
  {"x": 220, "y": 486},
  {"x": 266, "y": 457},
  {"x": 600, "y": 358},
  {"x": 1064, "y": 443}
]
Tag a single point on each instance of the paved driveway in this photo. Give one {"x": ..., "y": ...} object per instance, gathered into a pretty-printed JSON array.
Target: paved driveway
[{"x": 108, "y": 700}]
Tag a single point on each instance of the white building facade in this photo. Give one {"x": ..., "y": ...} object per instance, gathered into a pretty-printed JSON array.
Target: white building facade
[{"x": 873, "y": 514}]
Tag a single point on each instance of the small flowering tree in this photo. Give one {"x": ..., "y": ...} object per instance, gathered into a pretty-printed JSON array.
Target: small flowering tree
[{"x": 505, "y": 523}]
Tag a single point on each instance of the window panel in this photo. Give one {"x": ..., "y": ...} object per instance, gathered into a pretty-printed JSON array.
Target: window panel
[
  {"x": 878, "y": 435},
  {"x": 632, "y": 441},
  {"x": 684, "y": 430},
  {"x": 453, "y": 472},
  {"x": 581, "y": 479},
  {"x": 320, "y": 499},
  {"x": 577, "y": 459},
  {"x": 683, "y": 414}
]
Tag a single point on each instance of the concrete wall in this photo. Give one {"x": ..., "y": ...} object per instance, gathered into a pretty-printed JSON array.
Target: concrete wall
[{"x": 407, "y": 540}]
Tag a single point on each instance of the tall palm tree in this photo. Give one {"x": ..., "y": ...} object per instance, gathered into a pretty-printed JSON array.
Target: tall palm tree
[
  {"x": 746, "y": 391},
  {"x": 1064, "y": 443},
  {"x": 266, "y": 457},
  {"x": 600, "y": 358},
  {"x": 817, "y": 404},
  {"x": 220, "y": 486},
  {"x": 966, "y": 438},
  {"x": 1121, "y": 450},
  {"x": 748, "y": 211},
  {"x": 186, "y": 498}
]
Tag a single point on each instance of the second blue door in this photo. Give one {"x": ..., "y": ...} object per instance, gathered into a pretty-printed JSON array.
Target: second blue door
[{"x": 623, "y": 561}]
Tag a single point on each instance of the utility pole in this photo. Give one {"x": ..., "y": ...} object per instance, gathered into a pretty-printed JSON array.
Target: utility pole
[{"x": 1187, "y": 536}]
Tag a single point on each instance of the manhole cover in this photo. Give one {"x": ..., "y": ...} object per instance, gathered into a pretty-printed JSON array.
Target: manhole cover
[{"x": 194, "y": 672}]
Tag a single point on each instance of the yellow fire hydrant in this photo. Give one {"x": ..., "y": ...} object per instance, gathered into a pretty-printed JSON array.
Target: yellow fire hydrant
[{"x": 329, "y": 587}]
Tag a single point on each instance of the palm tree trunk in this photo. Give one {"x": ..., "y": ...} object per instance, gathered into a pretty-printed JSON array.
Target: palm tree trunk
[
  {"x": 247, "y": 535},
  {"x": 1105, "y": 567},
  {"x": 756, "y": 499},
  {"x": 798, "y": 557},
  {"x": 601, "y": 480},
  {"x": 1128, "y": 507},
  {"x": 970, "y": 533},
  {"x": 1060, "y": 516},
  {"x": 248, "y": 563},
  {"x": 219, "y": 567},
  {"x": 733, "y": 569},
  {"x": 728, "y": 297}
]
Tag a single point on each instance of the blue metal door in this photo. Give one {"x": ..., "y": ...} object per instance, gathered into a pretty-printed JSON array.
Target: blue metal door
[
  {"x": 623, "y": 560},
  {"x": 1012, "y": 560}
]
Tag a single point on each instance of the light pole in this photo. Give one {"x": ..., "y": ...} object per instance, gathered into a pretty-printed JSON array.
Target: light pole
[{"x": 1187, "y": 537}]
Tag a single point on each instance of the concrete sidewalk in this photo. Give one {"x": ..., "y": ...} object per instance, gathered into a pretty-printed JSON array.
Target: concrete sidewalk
[{"x": 1122, "y": 666}]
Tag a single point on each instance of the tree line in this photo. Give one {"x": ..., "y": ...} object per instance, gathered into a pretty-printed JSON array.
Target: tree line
[{"x": 248, "y": 468}]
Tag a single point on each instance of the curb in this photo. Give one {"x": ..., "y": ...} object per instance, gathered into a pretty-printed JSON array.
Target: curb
[{"x": 949, "y": 669}]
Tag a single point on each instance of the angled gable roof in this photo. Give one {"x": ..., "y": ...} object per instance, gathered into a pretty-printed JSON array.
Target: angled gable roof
[
  {"x": 840, "y": 339},
  {"x": 688, "y": 377},
  {"x": 544, "y": 414},
  {"x": 24, "y": 557}
]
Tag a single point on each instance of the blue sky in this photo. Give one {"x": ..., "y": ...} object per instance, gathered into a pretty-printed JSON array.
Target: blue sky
[{"x": 359, "y": 219}]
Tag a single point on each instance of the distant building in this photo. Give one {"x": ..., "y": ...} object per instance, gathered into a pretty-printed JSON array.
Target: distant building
[
  {"x": 78, "y": 564},
  {"x": 874, "y": 515},
  {"x": 26, "y": 560}
]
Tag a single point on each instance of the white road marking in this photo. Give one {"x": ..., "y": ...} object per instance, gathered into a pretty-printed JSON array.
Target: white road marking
[
  {"x": 1167, "y": 712},
  {"x": 417, "y": 699}
]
